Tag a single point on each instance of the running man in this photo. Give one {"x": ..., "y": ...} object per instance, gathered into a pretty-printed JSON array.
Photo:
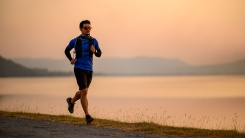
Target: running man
[{"x": 85, "y": 47}]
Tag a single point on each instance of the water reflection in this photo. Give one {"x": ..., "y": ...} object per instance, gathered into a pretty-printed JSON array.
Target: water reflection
[{"x": 202, "y": 102}]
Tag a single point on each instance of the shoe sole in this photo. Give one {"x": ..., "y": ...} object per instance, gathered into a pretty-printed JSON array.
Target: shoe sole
[{"x": 88, "y": 123}]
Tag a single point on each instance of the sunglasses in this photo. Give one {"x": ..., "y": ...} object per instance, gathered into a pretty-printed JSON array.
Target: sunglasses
[{"x": 87, "y": 28}]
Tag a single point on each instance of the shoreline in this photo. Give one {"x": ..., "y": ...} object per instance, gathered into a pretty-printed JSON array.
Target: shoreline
[{"x": 143, "y": 128}]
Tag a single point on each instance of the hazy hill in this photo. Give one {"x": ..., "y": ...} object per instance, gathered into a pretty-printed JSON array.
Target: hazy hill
[
  {"x": 50, "y": 64},
  {"x": 161, "y": 66},
  {"x": 139, "y": 66},
  {"x": 10, "y": 69}
]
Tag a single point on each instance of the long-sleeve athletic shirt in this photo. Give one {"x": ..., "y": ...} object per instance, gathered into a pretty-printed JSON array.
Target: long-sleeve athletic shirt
[{"x": 84, "y": 62}]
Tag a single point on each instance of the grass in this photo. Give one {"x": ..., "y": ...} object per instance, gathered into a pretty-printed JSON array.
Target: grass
[{"x": 143, "y": 127}]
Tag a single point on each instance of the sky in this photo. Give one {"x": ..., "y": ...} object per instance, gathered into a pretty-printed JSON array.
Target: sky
[{"x": 197, "y": 32}]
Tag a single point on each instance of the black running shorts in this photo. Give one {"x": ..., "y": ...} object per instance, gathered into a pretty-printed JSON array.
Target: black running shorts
[{"x": 83, "y": 77}]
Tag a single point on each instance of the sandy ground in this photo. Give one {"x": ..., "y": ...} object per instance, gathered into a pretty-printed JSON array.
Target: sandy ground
[{"x": 21, "y": 127}]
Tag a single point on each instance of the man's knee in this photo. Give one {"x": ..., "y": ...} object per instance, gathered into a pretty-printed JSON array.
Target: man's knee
[{"x": 84, "y": 92}]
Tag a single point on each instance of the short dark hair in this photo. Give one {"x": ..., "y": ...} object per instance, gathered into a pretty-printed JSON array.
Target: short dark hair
[{"x": 84, "y": 22}]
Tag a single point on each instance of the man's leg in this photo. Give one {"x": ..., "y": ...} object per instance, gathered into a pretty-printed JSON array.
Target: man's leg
[
  {"x": 82, "y": 95},
  {"x": 84, "y": 79},
  {"x": 84, "y": 100},
  {"x": 76, "y": 97},
  {"x": 81, "y": 77}
]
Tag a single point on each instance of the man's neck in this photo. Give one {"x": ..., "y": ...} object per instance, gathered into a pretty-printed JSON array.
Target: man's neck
[{"x": 85, "y": 34}]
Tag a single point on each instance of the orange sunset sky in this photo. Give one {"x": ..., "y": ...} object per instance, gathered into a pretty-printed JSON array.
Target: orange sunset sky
[{"x": 194, "y": 31}]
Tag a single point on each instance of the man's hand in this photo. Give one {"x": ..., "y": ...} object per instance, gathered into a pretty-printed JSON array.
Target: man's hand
[
  {"x": 73, "y": 61},
  {"x": 92, "y": 48}
]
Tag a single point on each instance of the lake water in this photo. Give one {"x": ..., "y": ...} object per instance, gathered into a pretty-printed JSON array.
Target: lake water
[{"x": 213, "y": 102}]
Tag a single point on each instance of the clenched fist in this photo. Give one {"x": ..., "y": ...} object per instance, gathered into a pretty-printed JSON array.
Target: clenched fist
[
  {"x": 92, "y": 48},
  {"x": 73, "y": 61}
]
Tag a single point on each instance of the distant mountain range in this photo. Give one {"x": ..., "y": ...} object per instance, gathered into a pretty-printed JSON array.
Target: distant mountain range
[
  {"x": 138, "y": 66},
  {"x": 9, "y": 68}
]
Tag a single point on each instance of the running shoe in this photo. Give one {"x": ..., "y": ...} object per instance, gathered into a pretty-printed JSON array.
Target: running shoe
[
  {"x": 89, "y": 119},
  {"x": 70, "y": 105}
]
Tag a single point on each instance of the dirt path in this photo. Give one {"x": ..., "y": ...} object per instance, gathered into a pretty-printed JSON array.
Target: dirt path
[{"x": 21, "y": 127}]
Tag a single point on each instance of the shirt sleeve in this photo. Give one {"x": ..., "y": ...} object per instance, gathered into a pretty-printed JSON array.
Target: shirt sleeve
[
  {"x": 96, "y": 44},
  {"x": 68, "y": 49},
  {"x": 98, "y": 50},
  {"x": 72, "y": 43}
]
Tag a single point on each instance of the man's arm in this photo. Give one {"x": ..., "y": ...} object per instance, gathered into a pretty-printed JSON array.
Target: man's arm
[
  {"x": 68, "y": 54},
  {"x": 96, "y": 49},
  {"x": 98, "y": 53}
]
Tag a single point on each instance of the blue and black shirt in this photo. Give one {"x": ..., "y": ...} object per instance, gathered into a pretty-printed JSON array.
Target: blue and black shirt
[{"x": 85, "y": 59}]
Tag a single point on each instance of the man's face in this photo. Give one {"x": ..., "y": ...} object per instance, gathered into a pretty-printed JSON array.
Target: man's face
[{"x": 86, "y": 29}]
